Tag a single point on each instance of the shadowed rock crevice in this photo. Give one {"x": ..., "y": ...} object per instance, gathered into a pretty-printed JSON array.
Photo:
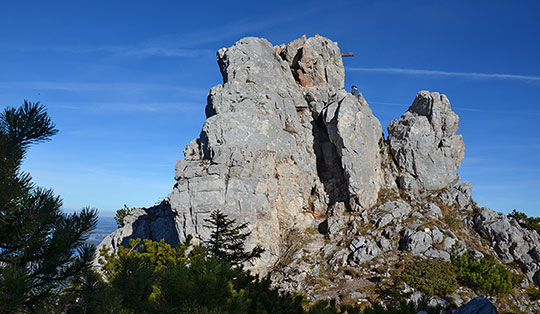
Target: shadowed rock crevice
[{"x": 329, "y": 168}]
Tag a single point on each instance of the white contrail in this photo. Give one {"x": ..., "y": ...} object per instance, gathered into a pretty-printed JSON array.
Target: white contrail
[{"x": 470, "y": 75}]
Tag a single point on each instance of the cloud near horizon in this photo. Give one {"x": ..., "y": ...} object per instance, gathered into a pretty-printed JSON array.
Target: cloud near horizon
[{"x": 436, "y": 73}]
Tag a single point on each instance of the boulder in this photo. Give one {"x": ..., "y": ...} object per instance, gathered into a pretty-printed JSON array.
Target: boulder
[
  {"x": 364, "y": 250},
  {"x": 478, "y": 305},
  {"x": 419, "y": 242}
]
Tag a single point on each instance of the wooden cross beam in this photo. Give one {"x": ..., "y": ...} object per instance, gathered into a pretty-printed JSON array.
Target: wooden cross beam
[{"x": 347, "y": 54}]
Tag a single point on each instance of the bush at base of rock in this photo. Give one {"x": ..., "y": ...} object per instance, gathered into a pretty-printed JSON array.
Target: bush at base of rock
[
  {"x": 403, "y": 307},
  {"x": 534, "y": 294},
  {"x": 398, "y": 307},
  {"x": 432, "y": 277},
  {"x": 483, "y": 274}
]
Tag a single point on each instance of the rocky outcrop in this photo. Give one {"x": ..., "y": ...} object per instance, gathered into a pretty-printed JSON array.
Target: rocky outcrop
[
  {"x": 282, "y": 144},
  {"x": 336, "y": 206},
  {"x": 425, "y": 145},
  {"x": 157, "y": 222},
  {"x": 512, "y": 242}
]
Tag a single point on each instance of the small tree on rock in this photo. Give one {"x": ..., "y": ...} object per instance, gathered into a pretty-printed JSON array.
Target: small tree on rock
[{"x": 227, "y": 240}]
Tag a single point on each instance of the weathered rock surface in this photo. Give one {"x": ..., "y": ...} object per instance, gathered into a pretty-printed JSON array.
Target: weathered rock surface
[
  {"x": 157, "y": 222},
  {"x": 512, "y": 242},
  {"x": 425, "y": 145},
  {"x": 336, "y": 206},
  {"x": 282, "y": 143}
]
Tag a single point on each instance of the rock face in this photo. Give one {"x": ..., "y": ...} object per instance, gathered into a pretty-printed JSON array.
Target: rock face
[
  {"x": 512, "y": 242},
  {"x": 282, "y": 143},
  {"x": 287, "y": 150},
  {"x": 157, "y": 222},
  {"x": 425, "y": 145}
]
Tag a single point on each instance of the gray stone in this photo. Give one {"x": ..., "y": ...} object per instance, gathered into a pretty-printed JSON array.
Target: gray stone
[
  {"x": 510, "y": 241},
  {"x": 478, "y": 305},
  {"x": 316, "y": 270},
  {"x": 436, "y": 301},
  {"x": 155, "y": 223},
  {"x": 398, "y": 208},
  {"x": 328, "y": 249},
  {"x": 356, "y": 134},
  {"x": 384, "y": 244},
  {"x": 314, "y": 61},
  {"x": 420, "y": 241},
  {"x": 437, "y": 235},
  {"x": 335, "y": 224},
  {"x": 449, "y": 243},
  {"x": 416, "y": 296},
  {"x": 285, "y": 147},
  {"x": 384, "y": 220},
  {"x": 390, "y": 211},
  {"x": 437, "y": 254},
  {"x": 425, "y": 145},
  {"x": 535, "y": 254},
  {"x": 358, "y": 295},
  {"x": 459, "y": 195},
  {"x": 457, "y": 300},
  {"x": 433, "y": 211},
  {"x": 364, "y": 250},
  {"x": 339, "y": 259}
]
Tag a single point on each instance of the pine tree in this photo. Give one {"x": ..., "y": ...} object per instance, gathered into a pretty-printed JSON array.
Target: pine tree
[
  {"x": 38, "y": 241},
  {"x": 227, "y": 240}
]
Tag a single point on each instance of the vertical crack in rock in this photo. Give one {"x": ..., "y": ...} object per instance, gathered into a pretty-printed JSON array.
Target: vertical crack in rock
[{"x": 329, "y": 168}]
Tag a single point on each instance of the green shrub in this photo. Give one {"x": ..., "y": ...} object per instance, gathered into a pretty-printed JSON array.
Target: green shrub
[
  {"x": 483, "y": 274},
  {"x": 42, "y": 248},
  {"x": 403, "y": 307},
  {"x": 156, "y": 254},
  {"x": 534, "y": 294},
  {"x": 153, "y": 277},
  {"x": 121, "y": 214},
  {"x": 452, "y": 221},
  {"x": 392, "y": 293},
  {"x": 431, "y": 277}
]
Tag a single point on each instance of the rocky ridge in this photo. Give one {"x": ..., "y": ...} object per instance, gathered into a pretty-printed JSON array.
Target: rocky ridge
[{"x": 336, "y": 206}]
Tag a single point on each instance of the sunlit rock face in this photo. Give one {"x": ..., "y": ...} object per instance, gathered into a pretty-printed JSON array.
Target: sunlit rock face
[
  {"x": 425, "y": 145},
  {"x": 282, "y": 143}
]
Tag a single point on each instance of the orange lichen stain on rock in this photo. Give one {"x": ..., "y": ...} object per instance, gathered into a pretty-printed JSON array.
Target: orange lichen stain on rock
[{"x": 304, "y": 80}]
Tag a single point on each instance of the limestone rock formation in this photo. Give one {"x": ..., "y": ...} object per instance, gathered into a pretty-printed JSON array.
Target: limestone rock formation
[
  {"x": 425, "y": 145},
  {"x": 157, "y": 222},
  {"x": 336, "y": 206},
  {"x": 512, "y": 242},
  {"x": 282, "y": 142}
]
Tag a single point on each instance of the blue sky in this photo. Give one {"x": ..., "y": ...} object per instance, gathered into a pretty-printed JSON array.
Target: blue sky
[{"x": 126, "y": 82}]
